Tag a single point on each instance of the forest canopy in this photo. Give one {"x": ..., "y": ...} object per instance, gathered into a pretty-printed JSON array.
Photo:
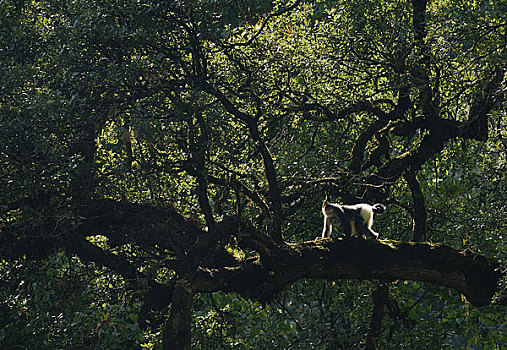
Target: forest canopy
[{"x": 163, "y": 166}]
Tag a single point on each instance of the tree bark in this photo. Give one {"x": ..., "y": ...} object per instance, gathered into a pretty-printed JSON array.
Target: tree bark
[
  {"x": 470, "y": 274},
  {"x": 176, "y": 334},
  {"x": 419, "y": 215},
  {"x": 380, "y": 298}
]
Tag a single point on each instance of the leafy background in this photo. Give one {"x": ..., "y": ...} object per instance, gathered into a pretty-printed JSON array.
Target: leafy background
[{"x": 114, "y": 100}]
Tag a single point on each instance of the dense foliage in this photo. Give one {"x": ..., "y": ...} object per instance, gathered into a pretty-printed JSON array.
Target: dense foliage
[{"x": 163, "y": 166}]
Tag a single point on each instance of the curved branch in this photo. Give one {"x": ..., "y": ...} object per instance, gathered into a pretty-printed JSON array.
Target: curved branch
[
  {"x": 269, "y": 165},
  {"x": 443, "y": 130},
  {"x": 361, "y": 143}
]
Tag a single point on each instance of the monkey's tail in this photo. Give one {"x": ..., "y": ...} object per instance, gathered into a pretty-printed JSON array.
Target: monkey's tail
[{"x": 379, "y": 208}]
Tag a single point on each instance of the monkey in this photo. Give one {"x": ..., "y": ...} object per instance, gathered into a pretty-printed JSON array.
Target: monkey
[{"x": 357, "y": 218}]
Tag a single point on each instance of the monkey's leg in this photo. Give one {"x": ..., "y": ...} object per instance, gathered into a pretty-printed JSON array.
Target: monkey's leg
[
  {"x": 360, "y": 227},
  {"x": 347, "y": 229},
  {"x": 328, "y": 228},
  {"x": 372, "y": 233}
]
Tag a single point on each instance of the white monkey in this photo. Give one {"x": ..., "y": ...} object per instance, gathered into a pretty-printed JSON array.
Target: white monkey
[{"x": 357, "y": 218}]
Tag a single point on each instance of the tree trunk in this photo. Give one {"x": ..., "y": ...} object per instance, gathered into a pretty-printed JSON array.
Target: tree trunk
[{"x": 176, "y": 333}]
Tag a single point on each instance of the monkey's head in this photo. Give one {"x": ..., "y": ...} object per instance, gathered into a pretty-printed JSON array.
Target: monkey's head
[{"x": 327, "y": 208}]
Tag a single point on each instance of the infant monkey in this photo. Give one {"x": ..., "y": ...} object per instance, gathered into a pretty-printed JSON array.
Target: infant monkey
[{"x": 350, "y": 218}]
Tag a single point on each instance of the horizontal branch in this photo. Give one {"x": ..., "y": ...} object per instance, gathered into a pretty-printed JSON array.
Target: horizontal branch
[
  {"x": 144, "y": 224},
  {"x": 470, "y": 274},
  {"x": 278, "y": 265}
]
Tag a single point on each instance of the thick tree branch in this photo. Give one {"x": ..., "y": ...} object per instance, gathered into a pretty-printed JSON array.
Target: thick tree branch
[
  {"x": 24, "y": 239},
  {"x": 470, "y": 274},
  {"x": 90, "y": 252},
  {"x": 146, "y": 225},
  {"x": 206, "y": 243}
]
